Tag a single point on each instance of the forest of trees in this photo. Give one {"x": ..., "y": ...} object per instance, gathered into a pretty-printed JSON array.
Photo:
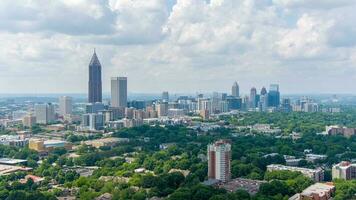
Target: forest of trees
[{"x": 186, "y": 153}]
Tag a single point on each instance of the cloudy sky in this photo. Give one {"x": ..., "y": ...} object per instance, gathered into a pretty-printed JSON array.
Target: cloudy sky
[{"x": 307, "y": 46}]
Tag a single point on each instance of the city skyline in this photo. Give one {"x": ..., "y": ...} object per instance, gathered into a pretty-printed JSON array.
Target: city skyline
[{"x": 305, "y": 47}]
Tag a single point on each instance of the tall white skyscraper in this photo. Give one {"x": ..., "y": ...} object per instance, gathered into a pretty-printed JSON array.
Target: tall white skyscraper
[
  {"x": 219, "y": 160},
  {"x": 65, "y": 105},
  {"x": 119, "y": 91},
  {"x": 235, "y": 90},
  {"x": 44, "y": 113}
]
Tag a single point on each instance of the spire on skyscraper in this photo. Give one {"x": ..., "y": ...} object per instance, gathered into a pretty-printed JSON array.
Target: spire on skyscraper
[{"x": 94, "y": 59}]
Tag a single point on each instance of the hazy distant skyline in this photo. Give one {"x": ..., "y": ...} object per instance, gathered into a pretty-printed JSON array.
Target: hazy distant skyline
[{"x": 183, "y": 46}]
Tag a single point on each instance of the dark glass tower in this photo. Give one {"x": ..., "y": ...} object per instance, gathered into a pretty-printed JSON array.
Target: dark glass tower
[{"x": 94, "y": 80}]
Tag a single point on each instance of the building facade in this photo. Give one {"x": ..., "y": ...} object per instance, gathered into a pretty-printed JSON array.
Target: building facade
[
  {"x": 65, "y": 105},
  {"x": 219, "y": 160},
  {"x": 344, "y": 170},
  {"x": 119, "y": 92},
  {"x": 45, "y": 113}
]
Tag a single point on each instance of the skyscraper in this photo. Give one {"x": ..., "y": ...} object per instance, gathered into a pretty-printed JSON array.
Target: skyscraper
[
  {"x": 44, "y": 113},
  {"x": 65, "y": 105},
  {"x": 165, "y": 96},
  {"x": 95, "y": 87},
  {"x": 219, "y": 160},
  {"x": 263, "y": 102},
  {"x": 119, "y": 91},
  {"x": 253, "y": 99},
  {"x": 263, "y": 91},
  {"x": 235, "y": 90},
  {"x": 273, "y": 95}
]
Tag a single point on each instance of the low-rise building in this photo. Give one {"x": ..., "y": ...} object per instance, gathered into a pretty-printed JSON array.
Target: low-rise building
[
  {"x": 338, "y": 130},
  {"x": 41, "y": 145},
  {"x": 344, "y": 170},
  {"x": 316, "y": 175},
  {"x": 9, "y": 169},
  {"x": 11, "y": 161},
  {"x": 293, "y": 162},
  {"x": 315, "y": 157},
  {"x": 318, "y": 191},
  {"x": 13, "y": 140},
  {"x": 29, "y": 121},
  {"x": 106, "y": 142}
]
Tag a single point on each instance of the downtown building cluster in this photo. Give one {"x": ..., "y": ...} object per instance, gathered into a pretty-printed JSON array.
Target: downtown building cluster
[{"x": 118, "y": 112}]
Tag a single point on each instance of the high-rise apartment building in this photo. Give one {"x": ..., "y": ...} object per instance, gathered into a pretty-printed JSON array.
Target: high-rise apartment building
[
  {"x": 44, "y": 113},
  {"x": 65, "y": 105},
  {"x": 119, "y": 92},
  {"x": 235, "y": 90},
  {"x": 344, "y": 170},
  {"x": 219, "y": 160},
  {"x": 95, "y": 87}
]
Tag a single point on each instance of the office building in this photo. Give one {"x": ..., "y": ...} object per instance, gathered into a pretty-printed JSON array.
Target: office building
[
  {"x": 95, "y": 87},
  {"x": 204, "y": 114},
  {"x": 223, "y": 106},
  {"x": 263, "y": 102},
  {"x": 44, "y": 113},
  {"x": 19, "y": 114},
  {"x": 235, "y": 90},
  {"x": 205, "y": 104},
  {"x": 151, "y": 112},
  {"x": 234, "y": 103},
  {"x": 138, "y": 104},
  {"x": 93, "y": 121},
  {"x": 219, "y": 160},
  {"x": 65, "y": 105},
  {"x": 263, "y": 91},
  {"x": 165, "y": 96},
  {"x": 286, "y": 105},
  {"x": 29, "y": 121},
  {"x": 119, "y": 92},
  {"x": 253, "y": 99},
  {"x": 94, "y": 107},
  {"x": 273, "y": 96},
  {"x": 316, "y": 175},
  {"x": 129, "y": 113},
  {"x": 344, "y": 170},
  {"x": 162, "y": 109}
]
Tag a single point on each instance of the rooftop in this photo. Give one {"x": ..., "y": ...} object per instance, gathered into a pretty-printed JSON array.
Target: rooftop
[
  {"x": 251, "y": 186},
  {"x": 11, "y": 161},
  {"x": 318, "y": 188}
]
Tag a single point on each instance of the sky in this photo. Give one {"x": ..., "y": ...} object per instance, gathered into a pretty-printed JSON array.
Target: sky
[{"x": 183, "y": 46}]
